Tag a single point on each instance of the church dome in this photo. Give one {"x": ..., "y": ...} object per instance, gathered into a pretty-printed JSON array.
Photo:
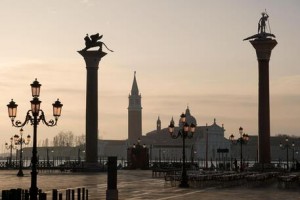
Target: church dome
[{"x": 189, "y": 118}]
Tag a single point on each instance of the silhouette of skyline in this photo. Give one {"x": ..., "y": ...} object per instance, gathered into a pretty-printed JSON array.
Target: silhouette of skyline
[{"x": 184, "y": 53}]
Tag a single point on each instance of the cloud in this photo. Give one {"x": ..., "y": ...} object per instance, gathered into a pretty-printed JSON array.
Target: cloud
[{"x": 286, "y": 85}]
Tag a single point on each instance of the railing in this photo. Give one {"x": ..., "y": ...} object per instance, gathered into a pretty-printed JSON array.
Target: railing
[{"x": 44, "y": 165}]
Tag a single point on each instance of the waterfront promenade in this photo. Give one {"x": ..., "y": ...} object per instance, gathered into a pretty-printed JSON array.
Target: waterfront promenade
[{"x": 138, "y": 185}]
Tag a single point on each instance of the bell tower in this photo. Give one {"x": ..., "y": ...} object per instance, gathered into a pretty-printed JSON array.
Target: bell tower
[
  {"x": 134, "y": 113},
  {"x": 158, "y": 125}
]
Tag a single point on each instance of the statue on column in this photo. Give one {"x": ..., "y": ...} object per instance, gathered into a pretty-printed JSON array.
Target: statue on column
[
  {"x": 262, "y": 34},
  {"x": 93, "y": 41},
  {"x": 262, "y": 23}
]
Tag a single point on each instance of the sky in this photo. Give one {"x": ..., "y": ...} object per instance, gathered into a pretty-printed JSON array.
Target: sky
[{"x": 185, "y": 53}]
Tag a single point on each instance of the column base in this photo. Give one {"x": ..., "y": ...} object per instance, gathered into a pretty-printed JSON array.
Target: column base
[
  {"x": 112, "y": 195},
  {"x": 20, "y": 173}
]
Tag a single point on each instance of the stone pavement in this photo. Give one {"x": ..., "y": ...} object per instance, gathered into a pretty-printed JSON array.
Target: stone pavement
[{"x": 139, "y": 185}]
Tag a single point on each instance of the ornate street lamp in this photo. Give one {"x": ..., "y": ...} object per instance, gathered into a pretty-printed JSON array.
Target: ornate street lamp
[
  {"x": 287, "y": 146},
  {"x": 34, "y": 116},
  {"x": 186, "y": 131},
  {"x": 19, "y": 140},
  {"x": 10, "y": 146},
  {"x": 243, "y": 139}
]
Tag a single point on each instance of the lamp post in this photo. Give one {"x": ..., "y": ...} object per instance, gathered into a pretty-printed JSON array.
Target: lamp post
[
  {"x": 287, "y": 146},
  {"x": 186, "y": 131},
  {"x": 34, "y": 116},
  {"x": 10, "y": 146},
  {"x": 243, "y": 139},
  {"x": 206, "y": 149},
  {"x": 19, "y": 140}
]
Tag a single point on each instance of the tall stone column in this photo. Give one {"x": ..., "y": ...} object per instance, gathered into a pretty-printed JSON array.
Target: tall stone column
[
  {"x": 263, "y": 49},
  {"x": 92, "y": 59}
]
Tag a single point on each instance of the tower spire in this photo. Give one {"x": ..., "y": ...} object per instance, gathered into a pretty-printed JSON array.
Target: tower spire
[{"x": 134, "y": 88}]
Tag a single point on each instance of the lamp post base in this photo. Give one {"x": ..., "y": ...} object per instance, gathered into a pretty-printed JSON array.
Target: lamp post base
[
  {"x": 20, "y": 173},
  {"x": 184, "y": 178},
  {"x": 184, "y": 184}
]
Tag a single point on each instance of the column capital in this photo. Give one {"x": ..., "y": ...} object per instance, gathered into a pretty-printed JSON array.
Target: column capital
[
  {"x": 92, "y": 58},
  {"x": 263, "y": 48}
]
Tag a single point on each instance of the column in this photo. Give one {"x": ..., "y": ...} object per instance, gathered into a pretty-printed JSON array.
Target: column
[
  {"x": 92, "y": 59},
  {"x": 263, "y": 49}
]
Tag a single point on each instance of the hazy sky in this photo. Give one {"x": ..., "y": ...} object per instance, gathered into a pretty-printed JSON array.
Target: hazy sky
[{"x": 185, "y": 53}]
